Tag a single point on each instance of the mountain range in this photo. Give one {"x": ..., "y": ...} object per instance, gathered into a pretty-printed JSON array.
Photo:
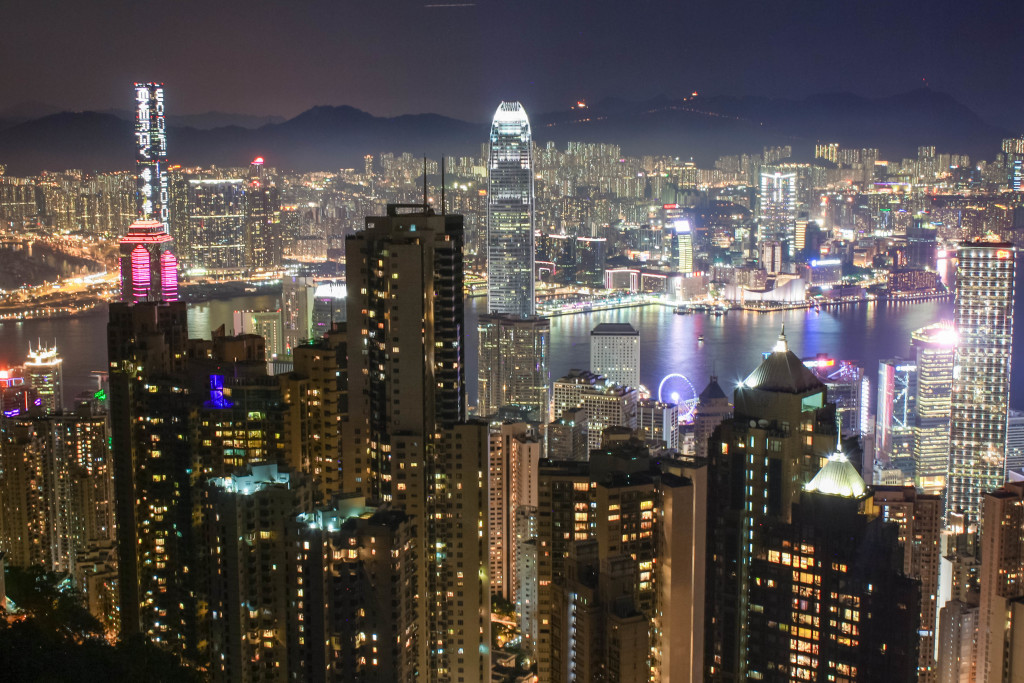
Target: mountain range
[{"x": 34, "y": 136}]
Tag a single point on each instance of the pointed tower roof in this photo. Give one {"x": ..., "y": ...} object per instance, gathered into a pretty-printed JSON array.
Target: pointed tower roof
[
  {"x": 712, "y": 391},
  {"x": 783, "y": 371},
  {"x": 838, "y": 478}
]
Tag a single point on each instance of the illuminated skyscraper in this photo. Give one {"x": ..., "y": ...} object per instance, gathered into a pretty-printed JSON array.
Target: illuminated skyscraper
[
  {"x": 153, "y": 188},
  {"x": 43, "y": 369},
  {"x": 214, "y": 230},
  {"x": 615, "y": 353},
  {"x": 149, "y": 269},
  {"x": 510, "y": 240},
  {"x": 262, "y": 220},
  {"x": 935, "y": 348},
  {"x": 404, "y": 440},
  {"x": 983, "y": 320},
  {"x": 777, "y": 219},
  {"x": 894, "y": 424}
]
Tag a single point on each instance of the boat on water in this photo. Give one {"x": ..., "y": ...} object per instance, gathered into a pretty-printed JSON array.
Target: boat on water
[{"x": 700, "y": 339}]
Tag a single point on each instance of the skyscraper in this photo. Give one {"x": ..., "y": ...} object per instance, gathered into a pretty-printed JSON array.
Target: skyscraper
[
  {"x": 262, "y": 220},
  {"x": 404, "y": 441},
  {"x": 44, "y": 372},
  {"x": 894, "y": 423},
  {"x": 214, "y": 230},
  {"x": 149, "y": 269},
  {"x": 983, "y": 320},
  {"x": 513, "y": 365},
  {"x": 153, "y": 182},
  {"x": 1002, "y": 584},
  {"x": 778, "y": 202},
  {"x": 615, "y": 353},
  {"x": 510, "y": 240},
  {"x": 935, "y": 348}
]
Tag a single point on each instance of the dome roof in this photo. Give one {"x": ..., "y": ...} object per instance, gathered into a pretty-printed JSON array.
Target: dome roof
[
  {"x": 838, "y": 478},
  {"x": 783, "y": 371}
]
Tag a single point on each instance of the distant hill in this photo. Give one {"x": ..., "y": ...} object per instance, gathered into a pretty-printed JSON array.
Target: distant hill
[{"x": 330, "y": 137}]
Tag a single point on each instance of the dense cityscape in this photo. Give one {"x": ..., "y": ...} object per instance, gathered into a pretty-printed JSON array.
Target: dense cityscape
[{"x": 377, "y": 460}]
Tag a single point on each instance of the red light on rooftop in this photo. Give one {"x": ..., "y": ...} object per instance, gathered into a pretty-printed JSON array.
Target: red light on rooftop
[
  {"x": 670, "y": 206},
  {"x": 258, "y": 161},
  {"x": 1003, "y": 254}
]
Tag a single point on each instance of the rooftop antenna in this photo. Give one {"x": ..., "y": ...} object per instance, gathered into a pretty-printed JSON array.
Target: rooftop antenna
[
  {"x": 442, "y": 186},
  {"x": 425, "y": 205}
]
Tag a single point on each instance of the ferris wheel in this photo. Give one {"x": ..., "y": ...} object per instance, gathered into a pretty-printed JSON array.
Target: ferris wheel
[{"x": 676, "y": 388}]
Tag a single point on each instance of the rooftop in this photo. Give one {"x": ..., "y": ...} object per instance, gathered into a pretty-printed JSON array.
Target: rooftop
[
  {"x": 782, "y": 371},
  {"x": 838, "y": 478},
  {"x": 615, "y": 329}
]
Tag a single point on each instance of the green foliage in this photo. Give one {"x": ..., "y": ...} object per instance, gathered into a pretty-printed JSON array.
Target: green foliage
[{"x": 51, "y": 600}]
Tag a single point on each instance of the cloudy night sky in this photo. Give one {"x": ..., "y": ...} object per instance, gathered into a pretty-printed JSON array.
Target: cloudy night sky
[{"x": 457, "y": 57}]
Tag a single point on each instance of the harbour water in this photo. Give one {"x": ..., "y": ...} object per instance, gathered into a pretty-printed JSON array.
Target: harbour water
[{"x": 669, "y": 344}]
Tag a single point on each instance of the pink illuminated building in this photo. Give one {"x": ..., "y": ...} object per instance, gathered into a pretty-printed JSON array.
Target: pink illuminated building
[{"x": 149, "y": 269}]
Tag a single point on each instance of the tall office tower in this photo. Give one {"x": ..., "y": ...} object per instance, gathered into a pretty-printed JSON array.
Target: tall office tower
[
  {"x": 922, "y": 246},
  {"x": 297, "y": 311},
  {"x": 512, "y": 497},
  {"x": 245, "y": 524},
  {"x": 781, "y": 430},
  {"x": 848, "y": 388},
  {"x": 154, "y": 472},
  {"x": 828, "y": 599},
  {"x": 894, "y": 418},
  {"x": 1015, "y": 442},
  {"x": 1002, "y": 583},
  {"x": 214, "y": 231},
  {"x": 778, "y": 206},
  {"x": 513, "y": 365},
  {"x": 712, "y": 409},
  {"x": 983, "y": 319},
  {"x": 44, "y": 372},
  {"x": 510, "y": 208},
  {"x": 404, "y": 442},
  {"x": 153, "y": 182},
  {"x": 659, "y": 422},
  {"x": 919, "y": 517},
  {"x": 328, "y": 307},
  {"x": 682, "y": 247},
  {"x": 934, "y": 347},
  {"x": 958, "y": 642},
  {"x": 610, "y": 405},
  {"x": 567, "y": 436},
  {"x": 149, "y": 269},
  {"x": 615, "y": 353},
  {"x": 625, "y": 586},
  {"x": 315, "y": 398},
  {"x": 262, "y": 220},
  {"x": 771, "y": 256},
  {"x": 589, "y": 259}
]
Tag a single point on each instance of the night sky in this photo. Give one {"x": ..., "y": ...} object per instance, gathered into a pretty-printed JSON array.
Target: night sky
[{"x": 459, "y": 57}]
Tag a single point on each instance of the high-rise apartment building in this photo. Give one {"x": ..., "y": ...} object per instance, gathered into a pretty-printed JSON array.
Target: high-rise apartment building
[
  {"x": 513, "y": 365},
  {"x": 510, "y": 213},
  {"x": 759, "y": 460},
  {"x": 934, "y": 347},
  {"x": 567, "y": 436},
  {"x": 1002, "y": 584},
  {"x": 149, "y": 269},
  {"x": 405, "y": 443},
  {"x": 512, "y": 499},
  {"x": 615, "y": 353},
  {"x": 827, "y": 597},
  {"x": 152, "y": 179},
  {"x": 45, "y": 374},
  {"x": 712, "y": 409},
  {"x": 983, "y": 320},
  {"x": 919, "y": 517},
  {"x": 658, "y": 422}
]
